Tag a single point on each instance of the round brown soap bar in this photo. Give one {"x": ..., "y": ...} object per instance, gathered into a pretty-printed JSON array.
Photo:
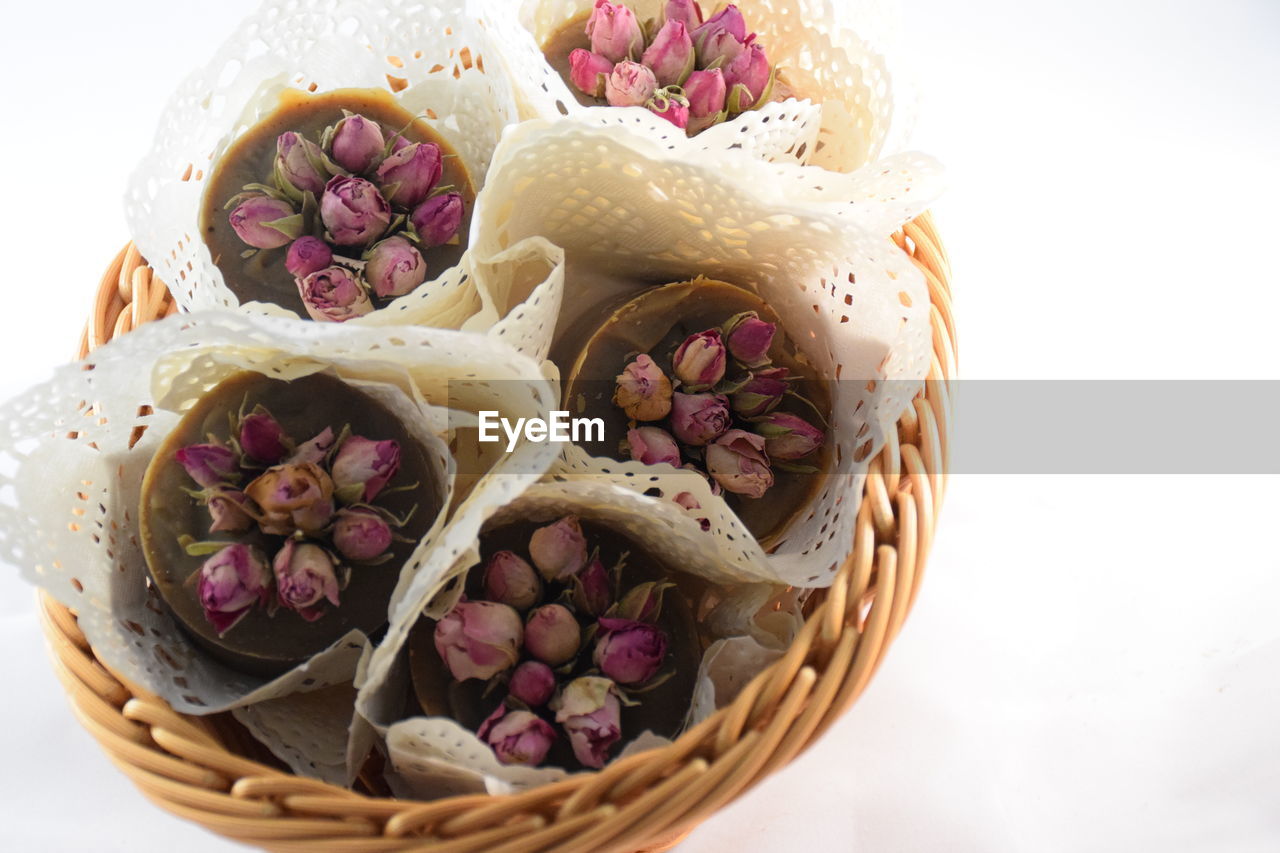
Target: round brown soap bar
[
  {"x": 656, "y": 322},
  {"x": 262, "y": 643},
  {"x": 661, "y": 709},
  {"x": 262, "y": 275}
]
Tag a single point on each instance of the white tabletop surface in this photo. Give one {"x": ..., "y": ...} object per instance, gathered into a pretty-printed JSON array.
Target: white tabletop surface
[{"x": 1094, "y": 661}]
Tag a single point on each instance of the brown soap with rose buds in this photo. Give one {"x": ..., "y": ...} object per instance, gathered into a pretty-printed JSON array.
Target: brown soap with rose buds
[{"x": 363, "y": 526}]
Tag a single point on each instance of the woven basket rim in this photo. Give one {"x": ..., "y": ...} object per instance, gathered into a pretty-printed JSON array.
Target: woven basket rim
[{"x": 192, "y": 766}]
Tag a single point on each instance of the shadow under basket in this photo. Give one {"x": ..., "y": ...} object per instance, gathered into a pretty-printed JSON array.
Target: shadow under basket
[{"x": 210, "y": 771}]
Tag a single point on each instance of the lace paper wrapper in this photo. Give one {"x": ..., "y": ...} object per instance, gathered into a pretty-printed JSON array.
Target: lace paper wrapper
[
  {"x": 430, "y": 57},
  {"x": 840, "y": 118},
  {"x": 629, "y": 212},
  {"x": 435, "y": 756}
]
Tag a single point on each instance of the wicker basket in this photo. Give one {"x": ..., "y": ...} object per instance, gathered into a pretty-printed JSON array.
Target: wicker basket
[{"x": 207, "y": 769}]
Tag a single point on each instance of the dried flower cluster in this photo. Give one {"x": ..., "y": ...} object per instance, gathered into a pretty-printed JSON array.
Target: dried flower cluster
[
  {"x": 318, "y": 495},
  {"x": 716, "y": 413},
  {"x": 565, "y": 640},
  {"x": 692, "y": 73},
  {"x": 354, "y": 212}
]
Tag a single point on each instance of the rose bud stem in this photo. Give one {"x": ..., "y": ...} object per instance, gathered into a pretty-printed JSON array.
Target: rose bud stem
[
  {"x": 334, "y": 295},
  {"x": 643, "y": 391},
  {"x": 479, "y": 639},
  {"x": 552, "y": 634}
]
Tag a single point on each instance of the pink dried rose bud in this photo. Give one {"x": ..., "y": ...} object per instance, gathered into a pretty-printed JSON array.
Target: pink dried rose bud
[
  {"x": 357, "y": 144},
  {"x": 688, "y": 501},
  {"x": 628, "y": 651},
  {"x": 363, "y": 467},
  {"x": 591, "y": 594},
  {"x": 643, "y": 391},
  {"x": 699, "y": 362},
  {"x": 552, "y": 634},
  {"x": 630, "y": 85},
  {"x": 208, "y": 464},
  {"x": 532, "y": 683},
  {"x": 394, "y": 267},
  {"x": 409, "y": 174},
  {"x": 297, "y": 162},
  {"x": 706, "y": 92},
  {"x": 698, "y": 418},
  {"x": 262, "y": 438},
  {"x": 643, "y": 603},
  {"x": 590, "y": 713},
  {"x": 789, "y": 437},
  {"x": 687, "y": 12},
  {"x": 614, "y": 31},
  {"x": 670, "y": 55},
  {"x": 292, "y": 497},
  {"x": 737, "y": 461},
  {"x": 747, "y": 77},
  {"x": 749, "y": 338},
  {"x": 353, "y": 211},
  {"x": 361, "y": 534},
  {"x": 729, "y": 19},
  {"x": 230, "y": 583},
  {"x": 721, "y": 38},
  {"x": 226, "y": 511},
  {"x": 436, "y": 221},
  {"x": 517, "y": 737},
  {"x": 512, "y": 581},
  {"x": 314, "y": 449},
  {"x": 559, "y": 550},
  {"x": 334, "y": 295},
  {"x": 652, "y": 446},
  {"x": 672, "y": 107},
  {"x": 265, "y": 223},
  {"x": 307, "y": 255},
  {"x": 588, "y": 71},
  {"x": 479, "y": 639},
  {"x": 761, "y": 393},
  {"x": 305, "y": 575}
]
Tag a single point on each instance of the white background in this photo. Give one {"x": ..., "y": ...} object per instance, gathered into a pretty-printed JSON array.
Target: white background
[{"x": 1094, "y": 662}]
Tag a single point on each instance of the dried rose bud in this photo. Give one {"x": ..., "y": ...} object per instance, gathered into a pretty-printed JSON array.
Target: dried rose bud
[
  {"x": 630, "y": 85},
  {"x": 749, "y": 338},
  {"x": 479, "y": 639},
  {"x": 437, "y": 219},
  {"x": 408, "y": 175},
  {"x": 226, "y": 510},
  {"x": 706, "y": 92},
  {"x": 334, "y": 295},
  {"x": 672, "y": 107},
  {"x": 652, "y": 446},
  {"x": 643, "y": 603},
  {"x": 588, "y": 71},
  {"x": 532, "y": 683},
  {"x": 737, "y": 462},
  {"x": 208, "y": 464},
  {"x": 264, "y": 223},
  {"x": 643, "y": 391},
  {"x": 614, "y": 31},
  {"x": 628, "y": 651},
  {"x": 231, "y": 582},
  {"x": 304, "y": 575},
  {"x": 559, "y": 550},
  {"x": 357, "y": 144},
  {"x": 789, "y": 437},
  {"x": 314, "y": 449},
  {"x": 307, "y": 255},
  {"x": 670, "y": 55},
  {"x": 353, "y": 211},
  {"x": 761, "y": 393},
  {"x": 262, "y": 438},
  {"x": 590, "y": 713},
  {"x": 364, "y": 463},
  {"x": 552, "y": 635},
  {"x": 698, "y": 418},
  {"x": 296, "y": 159},
  {"x": 292, "y": 497},
  {"x": 361, "y": 534},
  {"x": 512, "y": 581},
  {"x": 517, "y": 737},
  {"x": 747, "y": 77},
  {"x": 730, "y": 19},
  {"x": 699, "y": 362},
  {"x": 394, "y": 267},
  {"x": 591, "y": 594},
  {"x": 687, "y": 12},
  {"x": 720, "y": 38},
  {"x": 688, "y": 501}
]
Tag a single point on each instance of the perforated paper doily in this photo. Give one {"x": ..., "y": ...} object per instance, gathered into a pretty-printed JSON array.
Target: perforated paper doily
[{"x": 840, "y": 119}]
